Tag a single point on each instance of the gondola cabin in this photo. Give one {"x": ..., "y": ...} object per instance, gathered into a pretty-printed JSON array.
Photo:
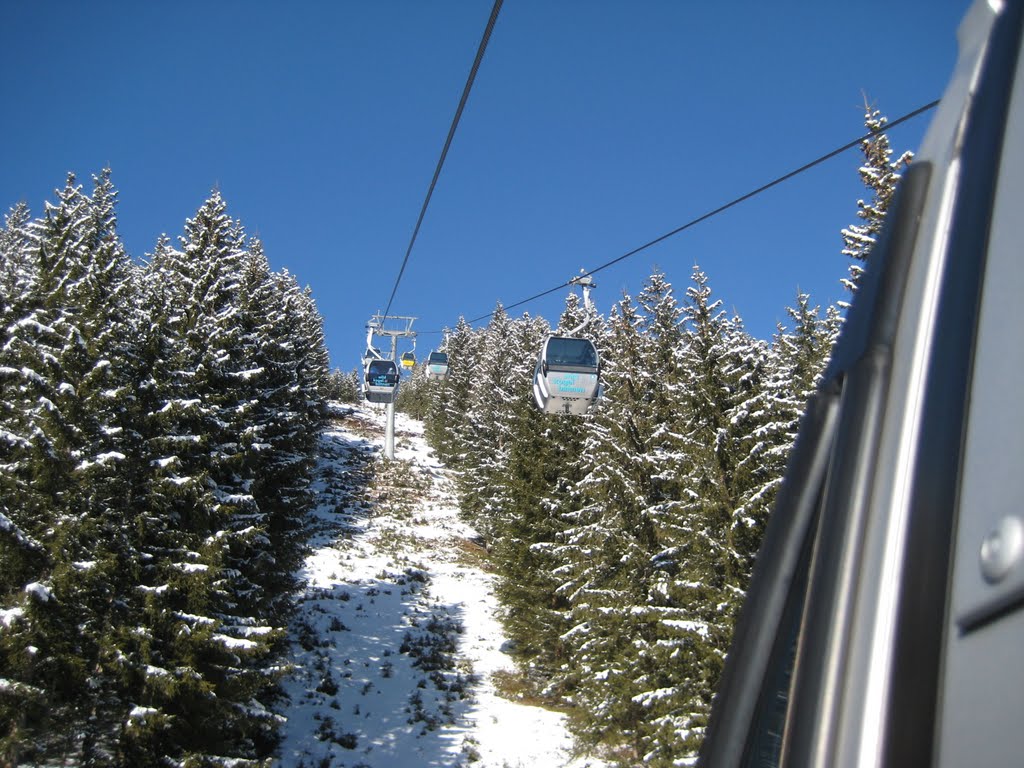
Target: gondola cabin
[
  {"x": 567, "y": 377},
  {"x": 408, "y": 360},
  {"x": 437, "y": 365},
  {"x": 381, "y": 381}
]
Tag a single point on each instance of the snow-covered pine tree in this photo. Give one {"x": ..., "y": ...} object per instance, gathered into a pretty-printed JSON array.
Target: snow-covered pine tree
[
  {"x": 23, "y": 505},
  {"x": 343, "y": 387},
  {"x": 415, "y": 394},
  {"x": 801, "y": 355},
  {"x": 544, "y": 452},
  {"x": 47, "y": 349},
  {"x": 308, "y": 333},
  {"x": 880, "y": 174},
  {"x": 21, "y": 556},
  {"x": 298, "y": 413},
  {"x": 47, "y": 339},
  {"x": 794, "y": 364},
  {"x": 702, "y": 575},
  {"x": 17, "y": 270},
  {"x": 105, "y": 366},
  {"x": 206, "y": 649},
  {"x": 761, "y": 443},
  {"x": 76, "y": 293},
  {"x": 710, "y": 387},
  {"x": 605, "y": 552},
  {"x": 662, "y": 661},
  {"x": 217, "y": 359},
  {"x": 662, "y": 623},
  {"x": 446, "y": 422},
  {"x": 275, "y": 422},
  {"x": 135, "y": 573},
  {"x": 497, "y": 384}
]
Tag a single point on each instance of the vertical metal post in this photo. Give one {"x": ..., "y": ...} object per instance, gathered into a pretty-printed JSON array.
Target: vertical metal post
[
  {"x": 389, "y": 433},
  {"x": 376, "y": 328},
  {"x": 389, "y": 430}
]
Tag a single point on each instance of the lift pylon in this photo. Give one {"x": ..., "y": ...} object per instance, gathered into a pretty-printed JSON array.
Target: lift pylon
[{"x": 393, "y": 327}]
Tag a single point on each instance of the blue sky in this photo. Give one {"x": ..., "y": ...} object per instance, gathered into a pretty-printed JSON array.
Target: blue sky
[{"x": 592, "y": 128}]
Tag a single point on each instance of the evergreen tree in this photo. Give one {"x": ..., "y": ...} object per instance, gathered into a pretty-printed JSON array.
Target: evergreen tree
[
  {"x": 524, "y": 528},
  {"x": 343, "y": 387},
  {"x": 699, "y": 582},
  {"x": 711, "y": 383},
  {"x": 209, "y": 539},
  {"x": 47, "y": 350},
  {"x": 794, "y": 364},
  {"x": 446, "y": 427},
  {"x": 800, "y": 356},
  {"x": 414, "y": 394},
  {"x": 499, "y": 380},
  {"x": 760, "y": 443},
  {"x": 106, "y": 368},
  {"x": 23, "y": 555},
  {"x": 606, "y": 550},
  {"x": 295, "y": 415},
  {"x": 157, "y": 428},
  {"x": 272, "y": 421},
  {"x": 77, "y": 353},
  {"x": 645, "y": 611},
  {"x": 21, "y": 558},
  {"x": 880, "y": 174},
  {"x": 531, "y": 510}
]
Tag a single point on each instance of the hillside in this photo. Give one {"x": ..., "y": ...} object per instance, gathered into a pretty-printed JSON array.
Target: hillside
[{"x": 396, "y": 643}]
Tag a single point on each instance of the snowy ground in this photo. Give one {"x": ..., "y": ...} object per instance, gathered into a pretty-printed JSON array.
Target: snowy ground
[{"x": 395, "y": 643}]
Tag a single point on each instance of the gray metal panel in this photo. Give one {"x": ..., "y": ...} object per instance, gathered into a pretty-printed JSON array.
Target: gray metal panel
[
  {"x": 993, "y": 476},
  {"x": 983, "y": 723},
  {"x": 983, "y": 711}
]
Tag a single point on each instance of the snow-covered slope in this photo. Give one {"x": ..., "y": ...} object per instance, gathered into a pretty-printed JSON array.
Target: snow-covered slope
[{"x": 396, "y": 642}]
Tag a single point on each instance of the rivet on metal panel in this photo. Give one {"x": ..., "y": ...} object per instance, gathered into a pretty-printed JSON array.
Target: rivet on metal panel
[{"x": 1002, "y": 549}]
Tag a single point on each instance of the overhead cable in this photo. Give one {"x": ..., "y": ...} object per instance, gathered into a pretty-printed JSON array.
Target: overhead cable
[
  {"x": 723, "y": 208},
  {"x": 448, "y": 142}
]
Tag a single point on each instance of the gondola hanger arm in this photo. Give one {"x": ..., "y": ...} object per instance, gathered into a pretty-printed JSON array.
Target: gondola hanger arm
[{"x": 586, "y": 282}]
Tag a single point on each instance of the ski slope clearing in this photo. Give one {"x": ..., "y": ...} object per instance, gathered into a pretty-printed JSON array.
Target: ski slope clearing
[{"x": 396, "y": 642}]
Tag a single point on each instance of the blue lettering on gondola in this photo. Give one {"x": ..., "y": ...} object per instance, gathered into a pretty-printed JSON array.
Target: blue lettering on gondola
[{"x": 568, "y": 384}]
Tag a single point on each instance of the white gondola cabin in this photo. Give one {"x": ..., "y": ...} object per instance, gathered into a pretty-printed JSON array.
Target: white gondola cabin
[
  {"x": 567, "y": 376},
  {"x": 381, "y": 381},
  {"x": 437, "y": 366}
]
